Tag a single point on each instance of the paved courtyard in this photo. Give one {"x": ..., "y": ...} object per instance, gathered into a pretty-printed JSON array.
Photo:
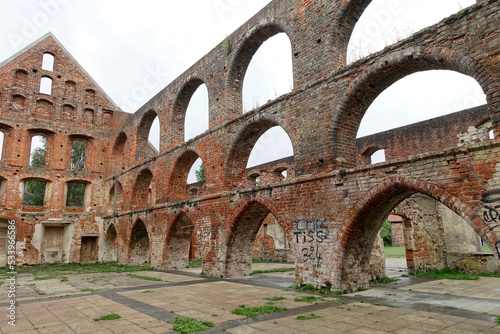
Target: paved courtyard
[{"x": 409, "y": 305}]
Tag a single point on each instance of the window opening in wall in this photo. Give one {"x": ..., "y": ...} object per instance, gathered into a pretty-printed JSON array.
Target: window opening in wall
[
  {"x": 196, "y": 121},
  {"x": 76, "y": 194},
  {"x": 2, "y": 136},
  {"x": 491, "y": 134},
  {"x": 378, "y": 156},
  {"x": 38, "y": 151},
  {"x": 3, "y": 235},
  {"x": 34, "y": 192},
  {"x": 78, "y": 156},
  {"x": 385, "y": 22},
  {"x": 197, "y": 172},
  {"x": 154, "y": 135},
  {"x": 273, "y": 145},
  {"x": 46, "y": 85},
  {"x": 269, "y": 74},
  {"x": 48, "y": 62},
  {"x": 3, "y": 187},
  {"x": 418, "y": 97}
]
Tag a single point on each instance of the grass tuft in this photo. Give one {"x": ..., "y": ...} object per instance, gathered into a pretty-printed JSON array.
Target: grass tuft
[
  {"x": 156, "y": 279},
  {"x": 112, "y": 316},
  {"x": 283, "y": 270},
  {"x": 258, "y": 310},
  {"x": 189, "y": 325},
  {"x": 41, "y": 278},
  {"x": 312, "y": 288},
  {"x": 308, "y": 299},
  {"x": 308, "y": 317},
  {"x": 275, "y": 298}
]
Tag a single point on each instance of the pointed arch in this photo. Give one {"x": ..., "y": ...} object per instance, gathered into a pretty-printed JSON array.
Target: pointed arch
[
  {"x": 242, "y": 55},
  {"x": 363, "y": 91},
  {"x": 241, "y": 234},
  {"x": 141, "y": 191},
  {"x": 181, "y": 105},
  {"x": 139, "y": 244},
  {"x": 110, "y": 247},
  {"x": 178, "y": 242},
  {"x": 367, "y": 216},
  {"x": 179, "y": 175},
  {"x": 244, "y": 141},
  {"x": 144, "y": 148}
]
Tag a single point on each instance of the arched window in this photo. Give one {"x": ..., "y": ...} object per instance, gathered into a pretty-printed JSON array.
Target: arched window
[
  {"x": 273, "y": 145},
  {"x": 386, "y": 22},
  {"x": 46, "y": 85},
  {"x": 420, "y": 96},
  {"x": 48, "y": 62},
  {"x": 270, "y": 73},
  {"x": 38, "y": 151},
  {"x": 197, "y": 121},
  {"x": 78, "y": 156}
]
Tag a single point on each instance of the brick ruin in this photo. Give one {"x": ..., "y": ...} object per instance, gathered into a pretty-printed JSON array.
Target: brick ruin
[{"x": 133, "y": 205}]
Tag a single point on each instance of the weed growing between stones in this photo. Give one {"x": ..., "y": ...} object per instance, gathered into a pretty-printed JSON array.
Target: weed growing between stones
[
  {"x": 257, "y": 310},
  {"x": 112, "y": 316},
  {"x": 308, "y": 317},
  {"x": 189, "y": 325}
]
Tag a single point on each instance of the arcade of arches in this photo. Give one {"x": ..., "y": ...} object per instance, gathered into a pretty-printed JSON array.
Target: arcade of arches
[{"x": 321, "y": 208}]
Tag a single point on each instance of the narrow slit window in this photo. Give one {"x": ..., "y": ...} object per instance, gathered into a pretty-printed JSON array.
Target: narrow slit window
[
  {"x": 78, "y": 156},
  {"x": 46, "y": 85},
  {"x": 2, "y": 136},
  {"x": 48, "y": 62}
]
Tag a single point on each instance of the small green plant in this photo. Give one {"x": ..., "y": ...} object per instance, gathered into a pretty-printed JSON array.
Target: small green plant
[
  {"x": 227, "y": 45},
  {"x": 146, "y": 277},
  {"x": 189, "y": 325},
  {"x": 112, "y": 316},
  {"x": 87, "y": 290},
  {"x": 257, "y": 310},
  {"x": 308, "y": 299},
  {"x": 194, "y": 264},
  {"x": 63, "y": 278},
  {"x": 275, "y": 298},
  {"x": 378, "y": 279},
  {"x": 282, "y": 270},
  {"x": 147, "y": 291},
  {"x": 497, "y": 320},
  {"x": 215, "y": 315},
  {"x": 41, "y": 278},
  {"x": 308, "y": 317},
  {"x": 312, "y": 288}
]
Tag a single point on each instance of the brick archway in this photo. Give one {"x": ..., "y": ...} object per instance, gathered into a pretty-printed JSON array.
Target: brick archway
[
  {"x": 387, "y": 71},
  {"x": 178, "y": 242},
  {"x": 143, "y": 149},
  {"x": 180, "y": 172},
  {"x": 139, "y": 243},
  {"x": 242, "y": 56},
  {"x": 241, "y": 235},
  {"x": 366, "y": 218}
]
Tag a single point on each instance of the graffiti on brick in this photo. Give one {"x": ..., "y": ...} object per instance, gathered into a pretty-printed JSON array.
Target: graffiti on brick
[
  {"x": 314, "y": 233},
  {"x": 491, "y": 213}
]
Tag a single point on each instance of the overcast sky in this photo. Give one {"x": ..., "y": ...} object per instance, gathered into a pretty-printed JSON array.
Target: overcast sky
[{"x": 123, "y": 43}]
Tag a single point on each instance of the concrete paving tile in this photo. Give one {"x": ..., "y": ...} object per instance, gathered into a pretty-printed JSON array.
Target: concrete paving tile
[
  {"x": 495, "y": 330},
  {"x": 243, "y": 330}
]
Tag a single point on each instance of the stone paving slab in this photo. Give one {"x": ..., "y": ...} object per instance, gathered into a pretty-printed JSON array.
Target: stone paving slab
[{"x": 406, "y": 306}]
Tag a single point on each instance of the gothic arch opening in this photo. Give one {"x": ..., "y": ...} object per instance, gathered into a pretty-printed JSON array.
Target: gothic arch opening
[
  {"x": 367, "y": 218},
  {"x": 243, "y": 56},
  {"x": 384, "y": 23},
  {"x": 242, "y": 237},
  {"x": 362, "y": 95},
  {"x": 197, "y": 112},
  {"x": 148, "y": 135},
  {"x": 178, "y": 243},
  {"x": 110, "y": 247},
  {"x": 188, "y": 170},
  {"x": 116, "y": 197},
  {"x": 139, "y": 244},
  {"x": 142, "y": 192},
  {"x": 259, "y": 143},
  {"x": 269, "y": 74}
]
